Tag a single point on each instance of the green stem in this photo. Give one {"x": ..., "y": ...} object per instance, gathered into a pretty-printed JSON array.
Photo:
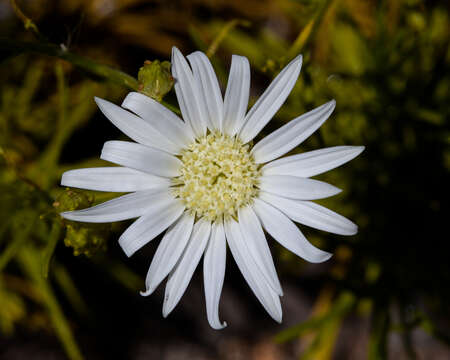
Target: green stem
[
  {"x": 31, "y": 266},
  {"x": 99, "y": 71},
  {"x": 47, "y": 254},
  {"x": 71, "y": 292},
  {"x": 91, "y": 67}
]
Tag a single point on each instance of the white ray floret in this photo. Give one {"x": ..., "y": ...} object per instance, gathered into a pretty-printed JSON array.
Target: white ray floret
[
  {"x": 201, "y": 181},
  {"x": 136, "y": 128},
  {"x": 269, "y": 299},
  {"x": 116, "y": 179},
  {"x": 141, "y": 157},
  {"x": 236, "y": 95},
  {"x": 209, "y": 89},
  {"x": 168, "y": 252},
  {"x": 214, "y": 273},
  {"x": 163, "y": 212},
  {"x": 294, "y": 187},
  {"x": 292, "y": 134},
  {"x": 179, "y": 278},
  {"x": 160, "y": 118},
  {"x": 287, "y": 234},
  {"x": 271, "y": 100},
  {"x": 257, "y": 246},
  {"x": 313, "y": 162}
]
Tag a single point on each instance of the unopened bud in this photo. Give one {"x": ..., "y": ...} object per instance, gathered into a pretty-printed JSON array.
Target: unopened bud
[
  {"x": 155, "y": 79},
  {"x": 72, "y": 199}
]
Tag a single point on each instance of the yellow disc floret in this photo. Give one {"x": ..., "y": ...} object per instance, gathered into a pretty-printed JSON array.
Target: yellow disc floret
[{"x": 218, "y": 176}]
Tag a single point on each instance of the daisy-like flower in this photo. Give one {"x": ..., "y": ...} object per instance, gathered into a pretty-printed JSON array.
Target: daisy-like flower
[{"x": 204, "y": 182}]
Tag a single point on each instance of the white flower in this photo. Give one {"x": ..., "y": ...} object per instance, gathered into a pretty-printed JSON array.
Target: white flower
[{"x": 203, "y": 181}]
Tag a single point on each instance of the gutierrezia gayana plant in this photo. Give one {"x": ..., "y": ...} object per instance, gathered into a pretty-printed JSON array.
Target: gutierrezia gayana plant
[{"x": 201, "y": 181}]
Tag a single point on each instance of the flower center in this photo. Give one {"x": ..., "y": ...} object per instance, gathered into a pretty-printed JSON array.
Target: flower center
[{"x": 218, "y": 176}]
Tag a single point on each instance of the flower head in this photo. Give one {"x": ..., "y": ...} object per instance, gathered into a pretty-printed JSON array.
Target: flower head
[{"x": 202, "y": 182}]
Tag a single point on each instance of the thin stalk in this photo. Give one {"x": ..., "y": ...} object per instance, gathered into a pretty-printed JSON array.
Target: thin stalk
[{"x": 91, "y": 67}]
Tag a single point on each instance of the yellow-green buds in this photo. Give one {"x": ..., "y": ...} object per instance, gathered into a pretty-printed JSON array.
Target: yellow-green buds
[{"x": 86, "y": 239}]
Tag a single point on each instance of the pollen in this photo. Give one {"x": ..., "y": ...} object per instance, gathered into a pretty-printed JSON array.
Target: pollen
[{"x": 218, "y": 176}]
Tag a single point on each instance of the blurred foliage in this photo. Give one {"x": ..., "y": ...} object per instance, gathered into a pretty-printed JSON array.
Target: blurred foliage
[{"x": 385, "y": 62}]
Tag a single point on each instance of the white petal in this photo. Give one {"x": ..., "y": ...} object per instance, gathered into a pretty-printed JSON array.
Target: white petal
[
  {"x": 168, "y": 252},
  {"x": 167, "y": 124},
  {"x": 271, "y": 100},
  {"x": 236, "y": 95},
  {"x": 118, "y": 179},
  {"x": 163, "y": 211},
  {"x": 257, "y": 246},
  {"x": 188, "y": 94},
  {"x": 296, "y": 187},
  {"x": 292, "y": 134},
  {"x": 209, "y": 88},
  {"x": 311, "y": 214},
  {"x": 313, "y": 162},
  {"x": 263, "y": 291},
  {"x": 214, "y": 273},
  {"x": 180, "y": 277},
  {"x": 122, "y": 208},
  {"x": 141, "y": 157},
  {"x": 282, "y": 229},
  {"x": 136, "y": 128}
]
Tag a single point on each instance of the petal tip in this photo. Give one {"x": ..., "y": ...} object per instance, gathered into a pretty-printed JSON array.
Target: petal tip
[
  {"x": 353, "y": 230},
  {"x": 128, "y": 251},
  {"x": 197, "y": 53},
  {"x": 63, "y": 181},
  {"x": 128, "y": 98},
  {"x": 175, "y": 52},
  {"x": 147, "y": 292},
  {"x": 279, "y": 318},
  {"x": 219, "y": 326},
  {"x": 66, "y": 214},
  {"x": 166, "y": 310},
  {"x": 325, "y": 256},
  {"x": 99, "y": 101},
  {"x": 299, "y": 59}
]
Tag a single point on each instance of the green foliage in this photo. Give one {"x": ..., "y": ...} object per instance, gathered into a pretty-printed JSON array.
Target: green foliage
[
  {"x": 34, "y": 132},
  {"x": 341, "y": 306}
]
